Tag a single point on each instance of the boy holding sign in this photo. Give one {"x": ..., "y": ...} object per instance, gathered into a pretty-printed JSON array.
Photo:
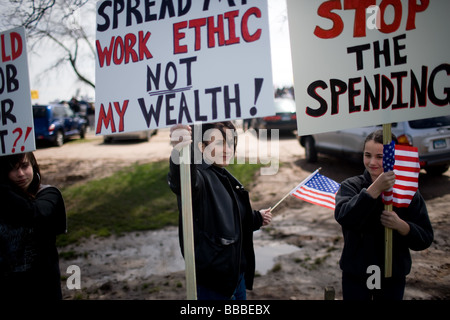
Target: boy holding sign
[{"x": 223, "y": 218}]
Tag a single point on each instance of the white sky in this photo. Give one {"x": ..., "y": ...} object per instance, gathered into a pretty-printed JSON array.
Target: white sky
[{"x": 63, "y": 84}]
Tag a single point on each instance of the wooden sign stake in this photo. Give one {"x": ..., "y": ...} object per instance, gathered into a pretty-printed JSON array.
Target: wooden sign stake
[
  {"x": 387, "y": 138},
  {"x": 188, "y": 228}
]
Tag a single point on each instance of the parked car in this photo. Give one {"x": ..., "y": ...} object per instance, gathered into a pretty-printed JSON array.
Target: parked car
[
  {"x": 285, "y": 118},
  {"x": 143, "y": 135},
  {"x": 57, "y": 122},
  {"x": 431, "y": 136}
]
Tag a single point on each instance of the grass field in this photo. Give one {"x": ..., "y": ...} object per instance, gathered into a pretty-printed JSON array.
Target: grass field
[{"x": 135, "y": 198}]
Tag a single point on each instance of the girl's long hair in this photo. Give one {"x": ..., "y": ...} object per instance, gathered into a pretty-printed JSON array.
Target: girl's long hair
[
  {"x": 8, "y": 163},
  {"x": 377, "y": 136}
]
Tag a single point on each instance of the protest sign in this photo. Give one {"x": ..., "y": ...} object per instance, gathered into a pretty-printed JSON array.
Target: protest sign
[
  {"x": 16, "y": 114},
  {"x": 161, "y": 63},
  {"x": 357, "y": 65}
]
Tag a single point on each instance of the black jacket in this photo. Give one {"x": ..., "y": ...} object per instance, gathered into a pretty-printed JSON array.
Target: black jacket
[
  {"x": 29, "y": 262},
  {"x": 223, "y": 226},
  {"x": 359, "y": 215}
]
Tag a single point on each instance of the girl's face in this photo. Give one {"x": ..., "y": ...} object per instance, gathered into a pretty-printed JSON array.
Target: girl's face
[
  {"x": 373, "y": 158},
  {"x": 219, "y": 151},
  {"x": 22, "y": 174}
]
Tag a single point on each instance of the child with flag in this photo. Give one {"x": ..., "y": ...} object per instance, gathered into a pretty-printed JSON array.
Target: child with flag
[{"x": 360, "y": 212}]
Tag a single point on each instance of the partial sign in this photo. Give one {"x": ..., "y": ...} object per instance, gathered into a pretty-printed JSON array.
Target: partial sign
[
  {"x": 161, "y": 63},
  {"x": 16, "y": 114},
  {"x": 357, "y": 65}
]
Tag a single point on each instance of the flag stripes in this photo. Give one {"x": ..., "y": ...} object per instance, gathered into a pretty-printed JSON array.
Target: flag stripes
[
  {"x": 406, "y": 168},
  {"x": 317, "y": 189},
  {"x": 315, "y": 197}
]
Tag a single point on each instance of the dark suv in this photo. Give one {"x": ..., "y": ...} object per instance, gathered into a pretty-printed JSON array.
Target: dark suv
[{"x": 56, "y": 122}]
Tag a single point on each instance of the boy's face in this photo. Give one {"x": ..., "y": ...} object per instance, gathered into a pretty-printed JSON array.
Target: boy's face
[{"x": 218, "y": 151}]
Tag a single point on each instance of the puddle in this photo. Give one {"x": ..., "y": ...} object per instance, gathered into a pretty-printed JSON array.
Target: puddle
[
  {"x": 142, "y": 254},
  {"x": 267, "y": 251}
]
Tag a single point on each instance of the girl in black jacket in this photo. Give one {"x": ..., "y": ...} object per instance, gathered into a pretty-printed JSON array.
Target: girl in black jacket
[
  {"x": 31, "y": 216},
  {"x": 360, "y": 212},
  {"x": 222, "y": 215}
]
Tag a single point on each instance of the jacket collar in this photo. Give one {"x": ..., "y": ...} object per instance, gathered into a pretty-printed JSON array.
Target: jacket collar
[
  {"x": 222, "y": 171},
  {"x": 205, "y": 165},
  {"x": 367, "y": 176}
]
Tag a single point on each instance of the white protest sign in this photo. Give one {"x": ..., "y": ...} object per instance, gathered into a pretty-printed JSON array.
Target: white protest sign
[
  {"x": 160, "y": 63},
  {"x": 16, "y": 114},
  {"x": 357, "y": 66}
]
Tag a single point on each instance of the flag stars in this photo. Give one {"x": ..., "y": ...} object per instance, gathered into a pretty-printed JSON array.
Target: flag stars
[{"x": 388, "y": 156}]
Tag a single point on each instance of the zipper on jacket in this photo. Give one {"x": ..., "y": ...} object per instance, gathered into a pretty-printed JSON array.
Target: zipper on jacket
[{"x": 241, "y": 237}]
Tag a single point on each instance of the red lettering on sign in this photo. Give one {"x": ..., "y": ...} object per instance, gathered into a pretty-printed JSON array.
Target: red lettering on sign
[
  {"x": 124, "y": 50},
  {"x": 325, "y": 10},
  {"x": 16, "y": 47},
  {"x": 215, "y": 28}
]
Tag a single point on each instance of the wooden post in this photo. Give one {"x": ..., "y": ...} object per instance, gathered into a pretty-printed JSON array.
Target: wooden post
[
  {"x": 329, "y": 293},
  {"x": 387, "y": 138},
  {"x": 188, "y": 228}
]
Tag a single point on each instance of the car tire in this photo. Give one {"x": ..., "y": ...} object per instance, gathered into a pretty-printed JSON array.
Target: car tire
[
  {"x": 82, "y": 132},
  {"x": 59, "y": 140},
  {"x": 148, "y": 136},
  {"x": 255, "y": 125},
  {"x": 310, "y": 149}
]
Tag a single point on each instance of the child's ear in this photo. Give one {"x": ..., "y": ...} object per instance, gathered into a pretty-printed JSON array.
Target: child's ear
[{"x": 201, "y": 146}]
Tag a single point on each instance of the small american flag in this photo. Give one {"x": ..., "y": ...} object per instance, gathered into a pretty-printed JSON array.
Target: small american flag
[
  {"x": 404, "y": 160},
  {"x": 317, "y": 189}
]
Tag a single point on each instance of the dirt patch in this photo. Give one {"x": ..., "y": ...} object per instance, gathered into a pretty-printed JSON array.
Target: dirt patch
[
  {"x": 64, "y": 173},
  {"x": 148, "y": 265}
]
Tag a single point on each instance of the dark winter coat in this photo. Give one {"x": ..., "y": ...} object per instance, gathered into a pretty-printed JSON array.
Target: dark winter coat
[
  {"x": 359, "y": 215},
  {"x": 223, "y": 226},
  {"x": 29, "y": 262}
]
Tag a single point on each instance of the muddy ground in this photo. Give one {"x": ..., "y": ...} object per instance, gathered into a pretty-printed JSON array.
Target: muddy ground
[{"x": 297, "y": 255}]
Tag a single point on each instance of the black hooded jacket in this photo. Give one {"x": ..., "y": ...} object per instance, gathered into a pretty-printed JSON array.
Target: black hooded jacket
[
  {"x": 223, "y": 226},
  {"x": 29, "y": 261},
  {"x": 359, "y": 215}
]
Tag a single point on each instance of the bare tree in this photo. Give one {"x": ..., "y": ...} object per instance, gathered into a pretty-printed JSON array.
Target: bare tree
[
  {"x": 29, "y": 12},
  {"x": 59, "y": 24}
]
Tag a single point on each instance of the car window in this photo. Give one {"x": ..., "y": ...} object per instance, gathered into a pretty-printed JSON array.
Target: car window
[
  {"x": 39, "y": 112},
  {"x": 430, "y": 122},
  {"x": 69, "y": 112},
  {"x": 284, "y": 105}
]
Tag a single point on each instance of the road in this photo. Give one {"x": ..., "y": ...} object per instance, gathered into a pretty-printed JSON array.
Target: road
[
  {"x": 158, "y": 148},
  {"x": 78, "y": 161}
]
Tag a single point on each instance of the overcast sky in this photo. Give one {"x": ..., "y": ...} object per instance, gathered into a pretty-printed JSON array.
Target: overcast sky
[{"x": 62, "y": 84}]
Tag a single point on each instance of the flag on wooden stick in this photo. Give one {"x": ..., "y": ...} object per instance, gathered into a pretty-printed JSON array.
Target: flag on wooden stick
[
  {"x": 404, "y": 161},
  {"x": 317, "y": 189}
]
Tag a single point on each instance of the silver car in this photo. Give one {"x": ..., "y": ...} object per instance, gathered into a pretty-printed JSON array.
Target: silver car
[
  {"x": 143, "y": 135},
  {"x": 431, "y": 136}
]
